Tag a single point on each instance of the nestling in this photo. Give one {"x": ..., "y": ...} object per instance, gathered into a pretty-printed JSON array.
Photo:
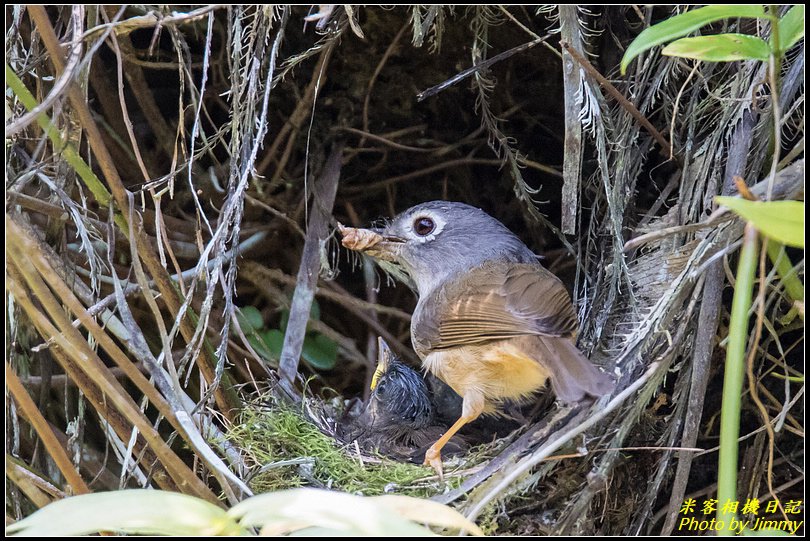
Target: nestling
[
  {"x": 399, "y": 406},
  {"x": 491, "y": 322},
  {"x": 399, "y": 419}
]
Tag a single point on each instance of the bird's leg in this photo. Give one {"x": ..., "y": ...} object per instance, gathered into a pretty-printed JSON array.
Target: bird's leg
[{"x": 472, "y": 407}]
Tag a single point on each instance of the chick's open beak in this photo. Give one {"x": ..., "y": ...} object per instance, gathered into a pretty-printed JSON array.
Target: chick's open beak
[{"x": 371, "y": 242}]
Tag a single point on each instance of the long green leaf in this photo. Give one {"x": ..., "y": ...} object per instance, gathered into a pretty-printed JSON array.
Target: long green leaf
[
  {"x": 734, "y": 378},
  {"x": 787, "y": 273},
  {"x": 720, "y": 48},
  {"x": 791, "y": 28},
  {"x": 297, "y": 509},
  {"x": 686, "y": 23},
  {"x": 70, "y": 154},
  {"x": 303, "y": 510},
  {"x": 145, "y": 512},
  {"x": 431, "y": 512},
  {"x": 779, "y": 220}
]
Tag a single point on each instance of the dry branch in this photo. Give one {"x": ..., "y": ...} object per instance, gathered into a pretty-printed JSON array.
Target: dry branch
[{"x": 317, "y": 230}]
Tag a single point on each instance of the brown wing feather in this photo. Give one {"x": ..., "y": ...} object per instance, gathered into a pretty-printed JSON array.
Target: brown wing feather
[{"x": 495, "y": 301}]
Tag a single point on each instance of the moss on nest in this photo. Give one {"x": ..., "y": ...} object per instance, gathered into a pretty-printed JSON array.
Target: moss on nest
[{"x": 289, "y": 450}]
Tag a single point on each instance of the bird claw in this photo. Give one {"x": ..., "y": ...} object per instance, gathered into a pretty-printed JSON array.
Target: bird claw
[{"x": 433, "y": 458}]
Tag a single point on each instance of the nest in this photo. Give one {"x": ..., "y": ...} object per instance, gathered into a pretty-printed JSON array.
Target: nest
[{"x": 179, "y": 204}]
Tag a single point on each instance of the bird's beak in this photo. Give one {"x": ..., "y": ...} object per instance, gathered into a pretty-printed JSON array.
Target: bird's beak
[
  {"x": 384, "y": 355},
  {"x": 372, "y": 242}
]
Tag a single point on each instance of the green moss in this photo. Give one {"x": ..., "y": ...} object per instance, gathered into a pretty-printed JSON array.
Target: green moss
[{"x": 303, "y": 455}]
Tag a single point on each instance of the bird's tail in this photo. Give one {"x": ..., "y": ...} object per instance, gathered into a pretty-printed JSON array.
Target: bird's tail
[{"x": 572, "y": 375}]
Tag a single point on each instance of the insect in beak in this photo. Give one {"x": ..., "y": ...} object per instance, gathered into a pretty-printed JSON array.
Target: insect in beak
[{"x": 371, "y": 242}]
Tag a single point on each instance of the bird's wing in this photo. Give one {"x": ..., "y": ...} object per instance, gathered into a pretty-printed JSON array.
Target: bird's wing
[
  {"x": 495, "y": 301},
  {"x": 507, "y": 300}
]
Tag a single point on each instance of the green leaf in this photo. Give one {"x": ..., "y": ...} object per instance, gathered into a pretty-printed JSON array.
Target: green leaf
[
  {"x": 301, "y": 510},
  {"x": 250, "y": 319},
  {"x": 791, "y": 28},
  {"x": 779, "y": 220},
  {"x": 146, "y": 512},
  {"x": 720, "y": 48},
  {"x": 274, "y": 342},
  {"x": 319, "y": 351},
  {"x": 259, "y": 346},
  {"x": 427, "y": 511},
  {"x": 686, "y": 23},
  {"x": 314, "y": 511}
]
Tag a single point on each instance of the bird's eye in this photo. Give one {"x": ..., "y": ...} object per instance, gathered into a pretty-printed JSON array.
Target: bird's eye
[
  {"x": 424, "y": 226},
  {"x": 379, "y": 389}
]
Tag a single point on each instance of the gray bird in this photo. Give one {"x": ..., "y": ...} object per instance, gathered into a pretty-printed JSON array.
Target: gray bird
[{"x": 491, "y": 322}]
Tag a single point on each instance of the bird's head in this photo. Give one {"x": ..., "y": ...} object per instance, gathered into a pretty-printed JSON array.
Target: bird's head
[
  {"x": 432, "y": 241},
  {"x": 399, "y": 396}
]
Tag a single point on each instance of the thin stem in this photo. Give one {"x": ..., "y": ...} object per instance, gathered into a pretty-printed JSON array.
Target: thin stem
[{"x": 733, "y": 379}]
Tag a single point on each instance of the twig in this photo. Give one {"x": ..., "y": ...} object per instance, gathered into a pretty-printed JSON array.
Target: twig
[
  {"x": 789, "y": 405},
  {"x": 788, "y": 183},
  {"x": 659, "y": 234},
  {"x": 55, "y": 450},
  {"x": 528, "y": 31},
  {"x": 367, "y": 135},
  {"x": 168, "y": 404},
  {"x": 293, "y": 125},
  {"x": 538, "y": 432},
  {"x": 674, "y": 182},
  {"x": 753, "y": 383},
  {"x": 40, "y": 491},
  {"x": 226, "y": 397},
  {"x": 107, "y": 396},
  {"x": 677, "y": 104},
  {"x": 324, "y": 199},
  {"x": 335, "y": 293},
  {"x": 796, "y": 151},
  {"x": 61, "y": 380},
  {"x": 572, "y": 156},
  {"x": 420, "y": 173},
  {"x": 277, "y": 213},
  {"x": 149, "y": 20},
  {"x": 432, "y": 91}
]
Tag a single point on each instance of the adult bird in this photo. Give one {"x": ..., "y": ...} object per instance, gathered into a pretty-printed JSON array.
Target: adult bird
[{"x": 491, "y": 322}]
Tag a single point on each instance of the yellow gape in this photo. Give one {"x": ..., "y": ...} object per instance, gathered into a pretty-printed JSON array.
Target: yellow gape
[{"x": 376, "y": 377}]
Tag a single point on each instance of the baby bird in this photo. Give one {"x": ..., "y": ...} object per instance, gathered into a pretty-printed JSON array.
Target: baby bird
[
  {"x": 399, "y": 407},
  {"x": 400, "y": 418}
]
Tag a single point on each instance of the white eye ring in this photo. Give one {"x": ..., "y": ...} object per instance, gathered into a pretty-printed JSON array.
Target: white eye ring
[{"x": 438, "y": 226}]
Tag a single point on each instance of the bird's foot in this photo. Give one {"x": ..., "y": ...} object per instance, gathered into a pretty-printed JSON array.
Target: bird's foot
[{"x": 433, "y": 458}]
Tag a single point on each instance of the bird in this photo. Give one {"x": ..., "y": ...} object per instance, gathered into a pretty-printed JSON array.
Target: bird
[
  {"x": 490, "y": 320},
  {"x": 399, "y": 406},
  {"x": 399, "y": 418}
]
